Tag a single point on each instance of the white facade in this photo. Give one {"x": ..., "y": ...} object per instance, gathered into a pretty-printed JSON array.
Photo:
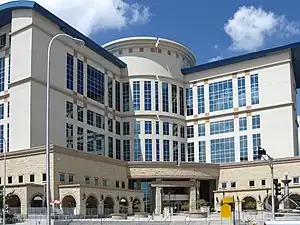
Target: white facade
[{"x": 30, "y": 34}]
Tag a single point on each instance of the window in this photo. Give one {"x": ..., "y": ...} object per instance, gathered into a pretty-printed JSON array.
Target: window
[
  {"x": 251, "y": 183},
  {"x": 31, "y": 178},
  {"x": 201, "y": 100},
  {"x": 130, "y": 50},
  {"x": 181, "y": 101},
  {"x": 126, "y": 150},
  {"x": 80, "y": 138},
  {"x": 256, "y": 122},
  {"x": 1, "y": 111},
  {"x": 242, "y": 123},
  {"x": 191, "y": 153},
  {"x": 21, "y": 180},
  {"x": 2, "y": 73},
  {"x": 148, "y": 149},
  {"x": 147, "y": 95},
  {"x": 126, "y": 97},
  {"x": 70, "y": 71},
  {"x": 62, "y": 177},
  {"x": 241, "y": 91},
  {"x": 233, "y": 184},
  {"x": 166, "y": 129},
  {"x": 120, "y": 52},
  {"x": 69, "y": 135},
  {"x": 254, "y": 89},
  {"x": 126, "y": 128},
  {"x": 295, "y": 180},
  {"x": 174, "y": 98},
  {"x": 110, "y": 147},
  {"x": 220, "y": 127},
  {"x": 90, "y": 117},
  {"x": 71, "y": 178},
  {"x": 141, "y": 49},
  {"x": 190, "y": 131},
  {"x": 44, "y": 177},
  {"x": 182, "y": 152},
  {"x": 169, "y": 52},
  {"x": 175, "y": 151},
  {"x": 166, "y": 149},
  {"x": 137, "y": 149},
  {"x": 201, "y": 129},
  {"x": 8, "y": 109},
  {"x": 96, "y": 181},
  {"x": 263, "y": 182},
  {"x": 165, "y": 97},
  {"x": 80, "y": 76},
  {"x": 123, "y": 185},
  {"x": 157, "y": 127},
  {"x": 80, "y": 113},
  {"x": 110, "y": 91},
  {"x": 69, "y": 109},
  {"x": 152, "y": 50},
  {"x": 118, "y": 149},
  {"x": 95, "y": 84},
  {"x": 159, "y": 50},
  {"x": 87, "y": 180},
  {"x": 100, "y": 121},
  {"x": 118, "y": 96},
  {"x": 117, "y": 184},
  {"x": 8, "y": 78},
  {"x": 224, "y": 185},
  {"x": 175, "y": 129},
  {"x": 157, "y": 150},
  {"x": 118, "y": 128},
  {"x": 90, "y": 140},
  {"x": 256, "y": 143},
  {"x": 136, "y": 95},
  {"x": 110, "y": 125},
  {"x": 202, "y": 151},
  {"x": 148, "y": 127},
  {"x": 104, "y": 181},
  {"x": 2, "y": 40},
  {"x": 243, "y": 148},
  {"x": 156, "y": 97},
  {"x": 7, "y": 138},
  {"x": 137, "y": 127},
  {"x": 1, "y": 138},
  {"x": 9, "y": 180},
  {"x": 222, "y": 150},
  {"x": 189, "y": 101},
  {"x": 182, "y": 132},
  {"x": 220, "y": 96}
]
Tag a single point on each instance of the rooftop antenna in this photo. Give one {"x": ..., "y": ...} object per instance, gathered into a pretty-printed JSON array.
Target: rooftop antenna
[{"x": 157, "y": 42}]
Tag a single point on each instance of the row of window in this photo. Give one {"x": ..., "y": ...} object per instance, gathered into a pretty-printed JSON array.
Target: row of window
[
  {"x": 224, "y": 126},
  {"x": 22, "y": 179}
]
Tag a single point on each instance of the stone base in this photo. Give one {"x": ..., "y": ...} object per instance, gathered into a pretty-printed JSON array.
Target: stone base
[
  {"x": 119, "y": 216},
  {"x": 198, "y": 214},
  {"x": 141, "y": 215}
]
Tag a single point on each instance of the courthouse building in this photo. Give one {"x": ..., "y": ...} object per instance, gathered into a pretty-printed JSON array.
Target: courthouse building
[{"x": 136, "y": 124}]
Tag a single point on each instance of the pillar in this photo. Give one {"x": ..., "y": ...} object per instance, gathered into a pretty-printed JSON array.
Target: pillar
[
  {"x": 158, "y": 200},
  {"x": 100, "y": 208},
  {"x": 193, "y": 198},
  {"x": 117, "y": 207},
  {"x": 130, "y": 208}
]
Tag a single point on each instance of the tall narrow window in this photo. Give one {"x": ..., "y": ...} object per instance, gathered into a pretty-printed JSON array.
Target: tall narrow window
[
  {"x": 8, "y": 110},
  {"x": 136, "y": 95},
  {"x": 148, "y": 149},
  {"x": 1, "y": 111},
  {"x": 201, "y": 101},
  {"x": 243, "y": 148},
  {"x": 241, "y": 91},
  {"x": 126, "y": 97},
  {"x": 174, "y": 98},
  {"x": 137, "y": 150},
  {"x": 110, "y": 91},
  {"x": 181, "y": 101},
  {"x": 80, "y": 138},
  {"x": 8, "y": 78},
  {"x": 126, "y": 150},
  {"x": 175, "y": 151},
  {"x": 201, "y": 129},
  {"x": 147, "y": 95},
  {"x": 95, "y": 85},
  {"x": 191, "y": 152},
  {"x": 256, "y": 122},
  {"x": 2, "y": 41},
  {"x": 1, "y": 138},
  {"x": 80, "y": 113},
  {"x": 157, "y": 127},
  {"x": 156, "y": 97},
  {"x": 220, "y": 95},
  {"x": 80, "y": 76},
  {"x": 110, "y": 147},
  {"x": 166, "y": 148},
  {"x": 166, "y": 128},
  {"x": 69, "y": 110},
  {"x": 90, "y": 141},
  {"x": 2, "y": 73},
  {"x": 165, "y": 97},
  {"x": 69, "y": 135},
  {"x": 202, "y": 152},
  {"x": 70, "y": 71},
  {"x": 254, "y": 89},
  {"x": 256, "y": 139},
  {"x": 189, "y": 101},
  {"x": 118, "y": 149},
  {"x": 242, "y": 123},
  {"x": 7, "y": 138},
  {"x": 118, "y": 96},
  {"x": 157, "y": 150},
  {"x": 182, "y": 151}
]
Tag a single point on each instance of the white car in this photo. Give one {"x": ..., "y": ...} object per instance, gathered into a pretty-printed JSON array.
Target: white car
[{"x": 282, "y": 222}]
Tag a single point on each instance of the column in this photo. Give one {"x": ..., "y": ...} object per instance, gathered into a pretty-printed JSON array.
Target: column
[
  {"x": 193, "y": 191},
  {"x": 117, "y": 207},
  {"x": 158, "y": 200},
  {"x": 101, "y": 208}
]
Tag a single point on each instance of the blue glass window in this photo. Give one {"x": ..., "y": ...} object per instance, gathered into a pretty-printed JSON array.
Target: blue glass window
[
  {"x": 190, "y": 131},
  {"x": 148, "y": 149},
  {"x": 241, "y": 91},
  {"x": 254, "y": 89},
  {"x": 148, "y": 127},
  {"x": 2, "y": 73},
  {"x": 8, "y": 78},
  {"x": 243, "y": 148},
  {"x": 126, "y": 97},
  {"x": 136, "y": 95},
  {"x": 110, "y": 91},
  {"x": 8, "y": 110},
  {"x": 7, "y": 138},
  {"x": 137, "y": 150},
  {"x": 137, "y": 127},
  {"x": 256, "y": 139},
  {"x": 222, "y": 150},
  {"x": 1, "y": 111},
  {"x": 1, "y": 138},
  {"x": 166, "y": 128},
  {"x": 220, "y": 96},
  {"x": 90, "y": 117},
  {"x": 95, "y": 84},
  {"x": 118, "y": 96},
  {"x": 182, "y": 150},
  {"x": 191, "y": 152},
  {"x": 165, "y": 97},
  {"x": 70, "y": 71},
  {"x": 181, "y": 101},
  {"x": 157, "y": 150},
  {"x": 175, "y": 151},
  {"x": 110, "y": 147},
  {"x": 174, "y": 99},
  {"x": 243, "y": 123},
  {"x": 126, "y": 150},
  {"x": 80, "y": 76},
  {"x": 2, "y": 41},
  {"x": 157, "y": 127},
  {"x": 156, "y": 97},
  {"x": 202, "y": 152},
  {"x": 118, "y": 149},
  {"x": 189, "y": 101},
  {"x": 80, "y": 134},
  {"x": 147, "y": 95},
  {"x": 69, "y": 135},
  {"x": 201, "y": 100},
  {"x": 166, "y": 145},
  {"x": 220, "y": 127},
  {"x": 256, "y": 122},
  {"x": 201, "y": 129}
]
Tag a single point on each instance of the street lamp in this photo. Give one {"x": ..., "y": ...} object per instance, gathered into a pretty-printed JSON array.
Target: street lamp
[
  {"x": 263, "y": 154},
  {"x": 4, "y": 177},
  {"x": 78, "y": 42},
  {"x": 286, "y": 182}
]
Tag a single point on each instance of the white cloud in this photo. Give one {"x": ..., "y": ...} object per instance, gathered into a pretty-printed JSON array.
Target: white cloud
[
  {"x": 250, "y": 27},
  {"x": 89, "y": 16},
  {"x": 217, "y": 58},
  {"x": 216, "y": 46}
]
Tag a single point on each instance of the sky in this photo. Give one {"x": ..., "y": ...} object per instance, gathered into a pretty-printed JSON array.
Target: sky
[{"x": 213, "y": 30}]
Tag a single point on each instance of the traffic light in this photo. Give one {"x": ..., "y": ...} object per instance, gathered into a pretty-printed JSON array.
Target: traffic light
[
  {"x": 277, "y": 188},
  {"x": 261, "y": 152}
]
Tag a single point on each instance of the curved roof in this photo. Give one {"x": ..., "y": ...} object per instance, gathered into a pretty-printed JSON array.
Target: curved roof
[{"x": 6, "y": 14}]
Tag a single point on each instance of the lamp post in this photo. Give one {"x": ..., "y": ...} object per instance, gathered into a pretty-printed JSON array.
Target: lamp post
[
  {"x": 4, "y": 178},
  {"x": 79, "y": 42},
  {"x": 263, "y": 154},
  {"x": 286, "y": 182}
]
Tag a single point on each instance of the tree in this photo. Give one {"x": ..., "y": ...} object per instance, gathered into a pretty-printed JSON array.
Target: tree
[{"x": 8, "y": 196}]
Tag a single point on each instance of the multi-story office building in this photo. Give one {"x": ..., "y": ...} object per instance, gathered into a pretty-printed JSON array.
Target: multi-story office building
[{"x": 137, "y": 114}]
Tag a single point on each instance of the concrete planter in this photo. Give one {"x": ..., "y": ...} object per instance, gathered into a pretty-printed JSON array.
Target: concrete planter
[
  {"x": 141, "y": 215},
  {"x": 119, "y": 216}
]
